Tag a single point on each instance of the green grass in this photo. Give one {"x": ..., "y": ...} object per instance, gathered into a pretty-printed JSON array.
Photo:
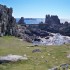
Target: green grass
[{"x": 52, "y": 55}]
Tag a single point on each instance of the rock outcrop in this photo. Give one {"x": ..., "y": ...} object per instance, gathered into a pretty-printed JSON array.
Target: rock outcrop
[
  {"x": 52, "y": 24},
  {"x": 65, "y": 29},
  {"x": 52, "y": 39},
  {"x": 53, "y": 19},
  {"x": 7, "y": 21},
  {"x": 21, "y": 21}
]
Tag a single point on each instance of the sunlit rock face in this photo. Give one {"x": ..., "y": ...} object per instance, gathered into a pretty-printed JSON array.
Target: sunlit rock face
[
  {"x": 7, "y": 21},
  {"x": 53, "y": 39}
]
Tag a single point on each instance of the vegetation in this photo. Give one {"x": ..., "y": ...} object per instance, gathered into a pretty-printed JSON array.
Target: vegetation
[{"x": 49, "y": 56}]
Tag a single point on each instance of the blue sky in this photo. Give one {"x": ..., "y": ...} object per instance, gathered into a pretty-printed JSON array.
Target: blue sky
[{"x": 38, "y": 8}]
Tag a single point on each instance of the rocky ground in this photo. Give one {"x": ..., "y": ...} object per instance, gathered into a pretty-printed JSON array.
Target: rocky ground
[
  {"x": 38, "y": 57},
  {"x": 52, "y": 39}
]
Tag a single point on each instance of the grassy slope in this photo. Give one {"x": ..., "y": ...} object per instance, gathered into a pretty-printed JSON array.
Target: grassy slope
[{"x": 53, "y": 55}]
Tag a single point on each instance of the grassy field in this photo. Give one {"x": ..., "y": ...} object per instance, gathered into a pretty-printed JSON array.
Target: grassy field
[{"x": 49, "y": 56}]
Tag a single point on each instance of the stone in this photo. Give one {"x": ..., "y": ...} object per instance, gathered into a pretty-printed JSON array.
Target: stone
[
  {"x": 36, "y": 50},
  {"x": 49, "y": 54},
  {"x": 54, "y": 68},
  {"x": 64, "y": 66},
  {"x": 42, "y": 56},
  {"x": 12, "y": 58},
  {"x": 53, "y": 57},
  {"x": 68, "y": 56}
]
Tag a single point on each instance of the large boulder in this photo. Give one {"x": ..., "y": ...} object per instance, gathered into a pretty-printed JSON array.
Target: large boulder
[{"x": 12, "y": 58}]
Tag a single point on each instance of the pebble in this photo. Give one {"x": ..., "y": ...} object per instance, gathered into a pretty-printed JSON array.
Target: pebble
[
  {"x": 49, "y": 54},
  {"x": 42, "y": 56}
]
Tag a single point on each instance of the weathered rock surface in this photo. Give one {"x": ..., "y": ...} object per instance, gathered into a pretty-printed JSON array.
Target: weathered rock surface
[
  {"x": 11, "y": 58},
  {"x": 61, "y": 67},
  {"x": 64, "y": 66},
  {"x": 54, "y": 39},
  {"x": 7, "y": 21}
]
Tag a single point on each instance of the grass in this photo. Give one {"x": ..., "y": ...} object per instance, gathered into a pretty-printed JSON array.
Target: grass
[{"x": 52, "y": 55}]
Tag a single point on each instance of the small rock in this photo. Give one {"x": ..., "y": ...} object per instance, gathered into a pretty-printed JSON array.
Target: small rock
[
  {"x": 53, "y": 57},
  {"x": 36, "y": 50},
  {"x": 64, "y": 65},
  {"x": 56, "y": 59},
  {"x": 42, "y": 56},
  {"x": 21, "y": 39},
  {"x": 24, "y": 55},
  {"x": 54, "y": 68},
  {"x": 27, "y": 47},
  {"x": 68, "y": 56},
  {"x": 49, "y": 54},
  {"x": 46, "y": 61}
]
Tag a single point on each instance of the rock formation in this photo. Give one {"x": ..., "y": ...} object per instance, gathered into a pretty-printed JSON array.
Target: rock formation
[
  {"x": 21, "y": 21},
  {"x": 52, "y": 24},
  {"x": 65, "y": 29},
  {"x": 53, "y": 19},
  {"x": 7, "y": 21}
]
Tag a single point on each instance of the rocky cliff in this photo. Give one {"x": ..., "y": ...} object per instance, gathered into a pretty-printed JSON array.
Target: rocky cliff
[{"x": 7, "y": 21}]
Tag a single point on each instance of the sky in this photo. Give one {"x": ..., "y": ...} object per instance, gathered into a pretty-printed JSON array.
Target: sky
[{"x": 38, "y": 8}]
